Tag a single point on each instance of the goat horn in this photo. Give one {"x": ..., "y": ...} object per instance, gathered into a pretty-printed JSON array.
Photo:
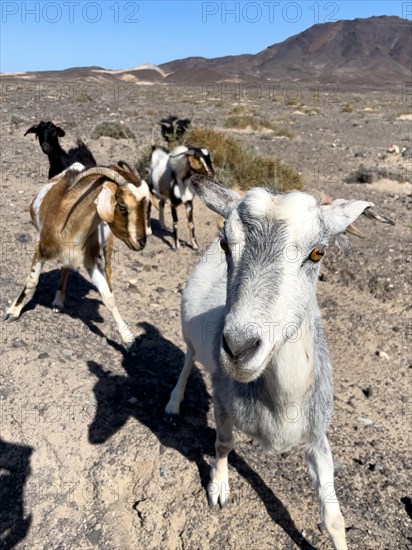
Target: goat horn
[
  {"x": 179, "y": 154},
  {"x": 123, "y": 163},
  {"x": 109, "y": 173},
  {"x": 32, "y": 130},
  {"x": 383, "y": 219},
  {"x": 90, "y": 177},
  {"x": 354, "y": 231}
]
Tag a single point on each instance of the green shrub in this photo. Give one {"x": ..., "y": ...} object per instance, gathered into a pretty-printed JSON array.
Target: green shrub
[
  {"x": 237, "y": 165},
  {"x": 115, "y": 130},
  {"x": 347, "y": 108}
]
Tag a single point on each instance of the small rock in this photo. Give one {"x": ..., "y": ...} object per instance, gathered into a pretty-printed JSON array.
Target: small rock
[
  {"x": 18, "y": 344},
  {"x": 132, "y": 400},
  {"x": 163, "y": 471},
  {"x": 350, "y": 401},
  {"x": 407, "y": 153},
  {"x": 378, "y": 467},
  {"x": 94, "y": 537},
  {"x": 160, "y": 290},
  {"x": 365, "y": 421},
  {"x": 368, "y": 392},
  {"x": 360, "y": 155},
  {"x": 383, "y": 355},
  {"x": 135, "y": 290},
  {"x": 24, "y": 238},
  {"x": 337, "y": 466},
  {"x": 133, "y": 282},
  {"x": 394, "y": 149},
  {"x": 43, "y": 355}
]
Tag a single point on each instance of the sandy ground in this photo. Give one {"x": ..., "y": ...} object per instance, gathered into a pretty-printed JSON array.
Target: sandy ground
[{"x": 88, "y": 459}]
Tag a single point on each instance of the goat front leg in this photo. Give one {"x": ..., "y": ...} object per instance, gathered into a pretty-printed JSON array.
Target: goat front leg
[
  {"x": 58, "y": 302},
  {"x": 218, "y": 488},
  {"x": 99, "y": 280},
  {"x": 148, "y": 212},
  {"x": 162, "y": 214},
  {"x": 14, "y": 311},
  {"x": 191, "y": 225},
  {"x": 175, "y": 225},
  {"x": 320, "y": 462},
  {"x": 176, "y": 397},
  {"x": 107, "y": 253}
]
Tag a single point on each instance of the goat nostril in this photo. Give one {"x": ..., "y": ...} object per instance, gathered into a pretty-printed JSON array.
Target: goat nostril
[
  {"x": 226, "y": 346},
  {"x": 238, "y": 350}
]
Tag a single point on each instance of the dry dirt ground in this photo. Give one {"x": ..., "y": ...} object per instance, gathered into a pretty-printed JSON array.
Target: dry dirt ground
[{"x": 88, "y": 459}]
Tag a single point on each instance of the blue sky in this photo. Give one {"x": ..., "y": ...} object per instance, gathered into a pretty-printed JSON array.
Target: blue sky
[{"x": 115, "y": 34}]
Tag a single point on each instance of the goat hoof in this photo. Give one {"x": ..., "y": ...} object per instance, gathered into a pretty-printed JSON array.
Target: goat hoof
[
  {"x": 9, "y": 317},
  {"x": 216, "y": 506},
  {"x": 172, "y": 411},
  {"x": 129, "y": 345},
  {"x": 213, "y": 506},
  {"x": 218, "y": 494},
  {"x": 57, "y": 308},
  {"x": 195, "y": 246}
]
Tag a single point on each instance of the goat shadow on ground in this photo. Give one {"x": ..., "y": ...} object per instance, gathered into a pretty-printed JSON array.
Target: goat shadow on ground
[
  {"x": 161, "y": 234},
  {"x": 77, "y": 304},
  {"x": 14, "y": 471},
  {"x": 151, "y": 372}
]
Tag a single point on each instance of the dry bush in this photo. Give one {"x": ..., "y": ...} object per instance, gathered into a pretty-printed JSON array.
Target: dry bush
[
  {"x": 115, "y": 130},
  {"x": 143, "y": 161},
  {"x": 236, "y": 165},
  {"x": 347, "y": 108},
  {"x": 258, "y": 124}
]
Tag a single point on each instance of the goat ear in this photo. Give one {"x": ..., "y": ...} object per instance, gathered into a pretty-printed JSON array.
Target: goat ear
[
  {"x": 214, "y": 195},
  {"x": 32, "y": 130},
  {"x": 106, "y": 202},
  {"x": 341, "y": 213},
  {"x": 195, "y": 163},
  {"x": 60, "y": 131}
]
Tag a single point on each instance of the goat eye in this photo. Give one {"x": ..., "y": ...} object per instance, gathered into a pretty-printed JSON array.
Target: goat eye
[
  {"x": 224, "y": 245},
  {"x": 317, "y": 254},
  {"x": 122, "y": 207}
]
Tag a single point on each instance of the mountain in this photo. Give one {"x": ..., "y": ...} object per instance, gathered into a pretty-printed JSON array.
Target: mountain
[
  {"x": 372, "y": 51},
  {"x": 375, "y": 52}
]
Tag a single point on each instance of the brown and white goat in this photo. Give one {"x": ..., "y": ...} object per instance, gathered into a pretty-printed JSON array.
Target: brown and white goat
[{"x": 68, "y": 213}]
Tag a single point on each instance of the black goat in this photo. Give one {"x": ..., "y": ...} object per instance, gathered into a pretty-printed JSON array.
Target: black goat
[
  {"x": 173, "y": 128},
  {"x": 48, "y": 135}
]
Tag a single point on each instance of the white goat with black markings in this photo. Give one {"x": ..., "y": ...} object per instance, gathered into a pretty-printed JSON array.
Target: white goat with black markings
[
  {"x": 254, "y": 323},
  {"x": 68, "y": 213},
  {"x": 169, "y": 175}
]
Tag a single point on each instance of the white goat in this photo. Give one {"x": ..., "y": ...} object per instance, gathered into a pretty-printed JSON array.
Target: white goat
[
  {"x": 254, "y": 323},
  {"x": 168, "y": 180},
  {"x": 68, "y": 213}
]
